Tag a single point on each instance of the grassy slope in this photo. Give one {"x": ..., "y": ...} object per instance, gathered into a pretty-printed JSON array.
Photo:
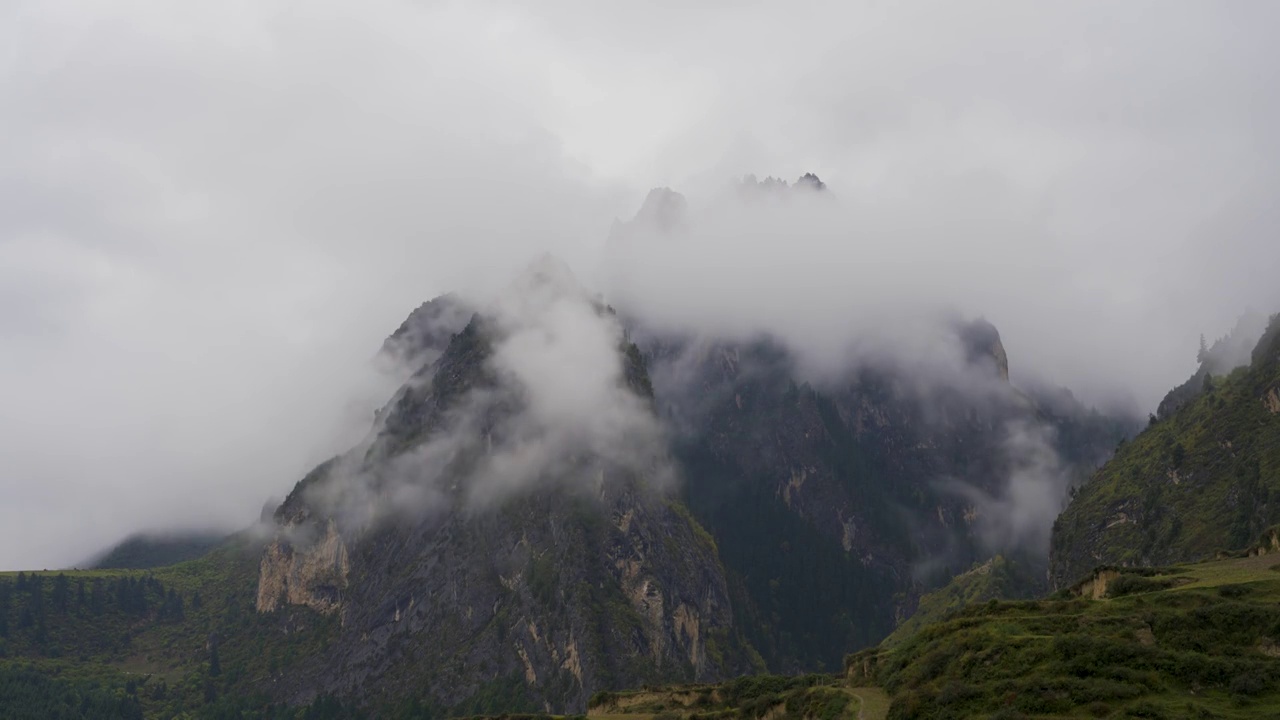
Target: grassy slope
[
  {"x": 770, "y": 697},
  {"x": 1192, "y": 641},
  {"x": 997, "y": 578}
]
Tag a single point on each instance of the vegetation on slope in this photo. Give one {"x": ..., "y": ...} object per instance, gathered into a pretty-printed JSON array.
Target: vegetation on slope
[
  {"x": 800, "y": 697},
  {"x": 998, "y": 578},
  {"x": 1203, "y": 480},
  {"x": 1224, "y": 355},
  {"x": 1195, "y": 641},
  {"x": 179, "y": 641}
]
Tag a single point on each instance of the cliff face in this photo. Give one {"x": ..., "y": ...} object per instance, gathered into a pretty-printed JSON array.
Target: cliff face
[
  {"x": 315, "y": 576},
  {"x": 1205, "y": 478},
  {"x": 982, "y": 345},
  {"x": 545, "y": 601},
  {"x": 589, "y": 576},
  {"x": 836, "y": 505}
]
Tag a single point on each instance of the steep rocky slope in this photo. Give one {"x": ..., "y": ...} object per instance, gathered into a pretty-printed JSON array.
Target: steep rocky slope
[
  {"x": 836, "y": 504},
  {"x": 530, "y": 595},
  {"x": 425, "y": 334},
  {"x": 1205, "y": 478}
]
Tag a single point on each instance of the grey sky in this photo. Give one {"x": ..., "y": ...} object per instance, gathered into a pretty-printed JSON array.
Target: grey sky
[{"x": 211, "y": 213}]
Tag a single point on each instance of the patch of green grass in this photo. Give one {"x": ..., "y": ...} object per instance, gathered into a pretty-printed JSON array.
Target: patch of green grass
[
  {"x": 814, "y": 696},
  {"x": 998, "y": 578}
]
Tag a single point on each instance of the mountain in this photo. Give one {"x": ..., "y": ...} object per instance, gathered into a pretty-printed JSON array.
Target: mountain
[
  {"x": 477, "y": 558},
  {"x": 151, "y": 550},
  {"x": 837, "y": 498},
  {"x": 835, "y": 504},
  {"x": 1203, "y": 650},
  {"x": 425, "y": 334},
  {"x": 1203, "y": 479},
  {"x": 561, "y": 500}
]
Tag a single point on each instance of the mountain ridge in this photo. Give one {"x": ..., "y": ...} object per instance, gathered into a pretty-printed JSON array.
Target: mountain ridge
[{"x": 1203, "y": 479}]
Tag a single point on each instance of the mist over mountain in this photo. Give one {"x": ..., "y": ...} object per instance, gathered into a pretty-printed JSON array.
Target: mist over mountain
[
  {"x": 676, "y": 361},
  {"x": 148, "y": 550},
  {"x": 511, "y": 506},
  {"x": 213, "y": 213},
  {"x": 883, "y": 472}
]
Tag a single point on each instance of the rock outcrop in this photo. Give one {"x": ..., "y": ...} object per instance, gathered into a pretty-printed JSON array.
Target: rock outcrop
[{"x": 314, "y": 576}]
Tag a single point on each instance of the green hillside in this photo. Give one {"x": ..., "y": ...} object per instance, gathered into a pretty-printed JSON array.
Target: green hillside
[
  {"x": 1205, "y": 479},
  {"x": 178, "y": 641},
  {"x": 798, "y": 697},
  {"x": 998, "y": 578},
  {"x": 1194, "y": 641}
]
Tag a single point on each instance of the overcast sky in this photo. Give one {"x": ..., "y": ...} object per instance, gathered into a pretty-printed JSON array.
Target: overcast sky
[{"x": 211, "y": 213}]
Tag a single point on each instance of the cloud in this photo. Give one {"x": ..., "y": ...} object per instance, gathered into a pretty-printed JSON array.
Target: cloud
[
  {"x": 1019, "y": 516},
  {"x": 564, "y": 353},
  {"x": 831, "y": 280},
  {"x": 212, "y": 214},
  {"x": 544, "y": 401}
]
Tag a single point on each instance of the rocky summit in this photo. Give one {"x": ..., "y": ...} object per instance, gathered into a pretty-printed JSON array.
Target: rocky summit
[{"x": 585, "y": 573}]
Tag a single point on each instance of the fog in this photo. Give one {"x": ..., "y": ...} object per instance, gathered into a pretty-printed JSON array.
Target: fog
[
  {"x": 211, "y": 215},
  {"x": 547, "y": 405}
]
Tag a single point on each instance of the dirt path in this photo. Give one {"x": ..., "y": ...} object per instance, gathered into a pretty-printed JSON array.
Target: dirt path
[{"x": 873, "y": 704}]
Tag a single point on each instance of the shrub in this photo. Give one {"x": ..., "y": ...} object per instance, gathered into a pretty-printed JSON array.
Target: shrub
[
  {"x": 603, "y": 697},
  {"x": 1146, "y": 709},
  {"x": 1131, "y": 584},
  {"x": 1249, "y": 683},
  {"x": 1234, "y": 591},
  {"x": 956, "y": 692}
]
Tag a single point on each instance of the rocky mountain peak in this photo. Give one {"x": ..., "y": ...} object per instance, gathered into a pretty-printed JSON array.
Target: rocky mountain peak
[
  {"x": 663, "y": 209},
  {"x": 982, "y": 345},
  {"x": 426, "y": 332},
  {"x": 811, "y": 182},
  {"x": 509, "y": 513}
]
